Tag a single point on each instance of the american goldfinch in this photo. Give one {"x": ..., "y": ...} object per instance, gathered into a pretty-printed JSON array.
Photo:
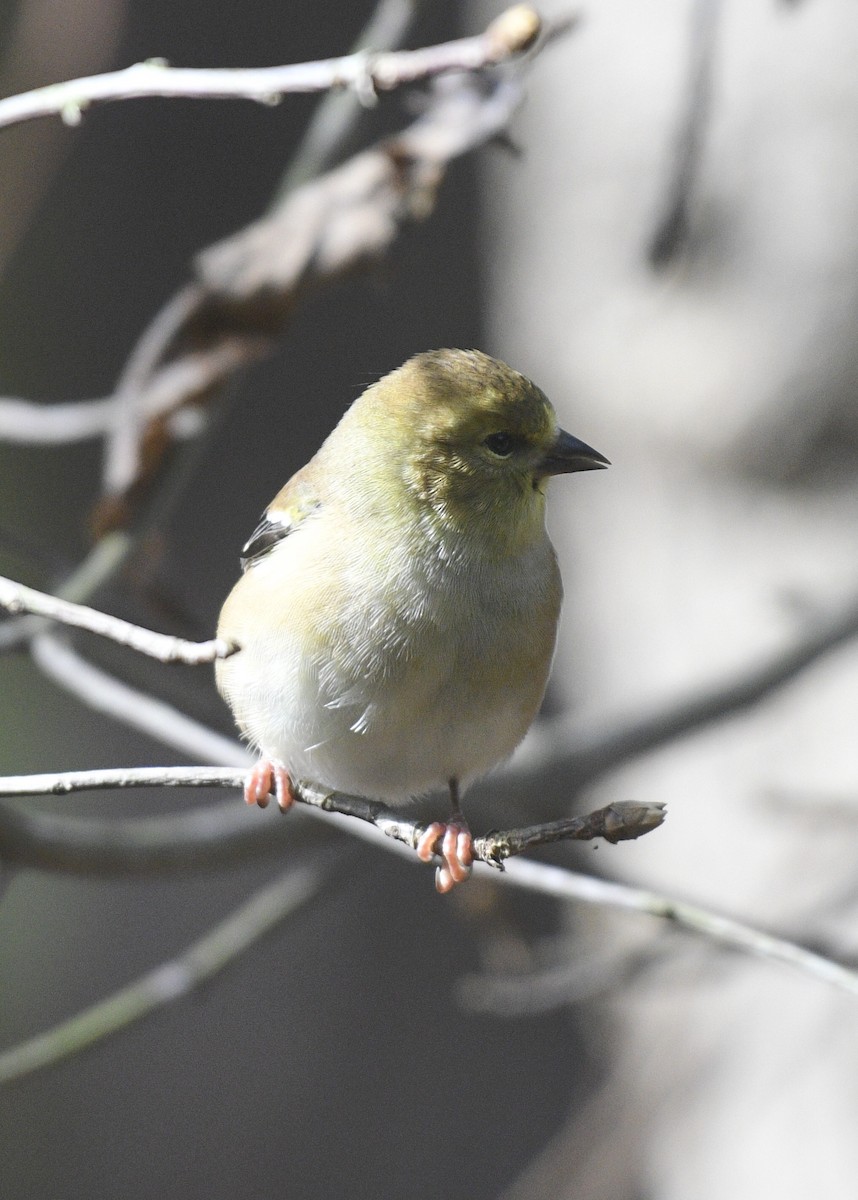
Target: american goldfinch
[{"x": 396, "y": 618}]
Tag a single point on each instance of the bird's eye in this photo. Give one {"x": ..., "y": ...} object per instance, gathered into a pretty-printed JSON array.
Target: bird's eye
[{"x": 501, "y": 444}]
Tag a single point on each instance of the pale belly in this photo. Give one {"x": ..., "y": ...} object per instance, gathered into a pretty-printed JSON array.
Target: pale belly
[{"x": 395, "y": 706}]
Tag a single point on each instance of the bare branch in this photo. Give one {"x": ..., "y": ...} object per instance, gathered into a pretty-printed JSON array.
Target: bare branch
[
  {"x": 16, "y": 598},
  {"x": 176, "y": 384},
  {"x": 64, "y": 783},
  {"x": 523, "y": 873},
  {"x": 558, "y": 763},
  {"x": 569, "y": 885},
  {"x": 104, "y": 693},
  {"x": 510, "y": 34},
  {"x": 24, "y": 421},
  {"x": 103, "y": 561},
  {"x": 250, "y": 283},
  {"x": 123, "y": 448},
  {"x": 337, "y": 113},
  {"x": 616, "y": 822},
  {"x": 559, "y": 750},
  {"x": 204, "y": 838},
  {"x": 620, "y": 822},
  {"x": 172, "y": 980}
]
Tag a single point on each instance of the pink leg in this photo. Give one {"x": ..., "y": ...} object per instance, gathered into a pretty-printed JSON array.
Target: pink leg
[
  {"x": 267, "y": 777},
  {"x": 451, "y": 840}
]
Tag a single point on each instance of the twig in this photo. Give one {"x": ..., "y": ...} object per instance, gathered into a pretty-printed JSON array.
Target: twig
[
  {"x": 64, "y": 783},
  {"x": 569, "y": 885},
  {"x": 122, "y": 448},
  {"x": 103, "y": 561},
  {"x": 523, "y": 873},
  {"x": 250, "y": 283},
  {"x": 510, "y": 34},
  {"x": 172, "y": 980},
  {"x": 22, "y": 421},
  {"x": 104, "y": 693},
  {"x": 16, "y": 598},
  {"x": 337, "y": 112},
  {"x": 557, "y": 764},
  {"x": 175, "y": 384},
  {"x": 334, "y": 225},
  {"x": 616, "y": 822},
  {"x": 560, "y": 749}
]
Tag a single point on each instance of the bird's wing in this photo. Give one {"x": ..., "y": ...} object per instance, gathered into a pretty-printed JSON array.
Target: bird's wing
[{"x": 287, "y": 512}]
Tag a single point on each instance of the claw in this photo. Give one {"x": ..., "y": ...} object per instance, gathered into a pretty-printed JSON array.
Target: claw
[{"x": 283, "y": 789}]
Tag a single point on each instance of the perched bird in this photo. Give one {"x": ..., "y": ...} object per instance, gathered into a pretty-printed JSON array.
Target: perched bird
[{"x": 396, "y": 619}]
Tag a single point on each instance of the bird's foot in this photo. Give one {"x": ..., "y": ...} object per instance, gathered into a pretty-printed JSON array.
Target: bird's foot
[
  {"x": 267, "y": 777},
  {"x": 452, "y": 840}
]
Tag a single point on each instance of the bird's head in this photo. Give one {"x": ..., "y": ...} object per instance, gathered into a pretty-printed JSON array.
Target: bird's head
[{"x": 469, "y": 440}]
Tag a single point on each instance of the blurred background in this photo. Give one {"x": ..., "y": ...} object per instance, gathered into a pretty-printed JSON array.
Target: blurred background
[{"x": 673, "y": 257}]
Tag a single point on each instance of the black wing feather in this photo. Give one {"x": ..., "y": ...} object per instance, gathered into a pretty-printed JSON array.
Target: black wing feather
[{"x": 262, "y": 541}]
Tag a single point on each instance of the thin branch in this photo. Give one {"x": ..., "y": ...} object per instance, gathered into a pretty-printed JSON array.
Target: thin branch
[
  {"x": 138, "y": 710},
  {"x": 510, "y": 34},
  {"x": 122, "y": 450},
  {"x": 338, "y": 112},
  {"x": 620, "y": 822},
  {"x": 250, "y": 283},
  {"x": 65, "y": 783},
  {"x": 522, "y": 873},
  {"x": 25, "y": 422},
  {"x": 103, "y": 561},
  {"x": 172, "y": 980},
  {"x": 616, "y": 822},
  {"x": 347, "y": 220},
  {"x": 554, "y": 765},
  {"x": 570, "y": 885},
  {"x": 175, "y": 384},
  {"x": 561, "y": 750},
  {"x": 205, "y": 838},
  {"x": 16, "y": 598}
]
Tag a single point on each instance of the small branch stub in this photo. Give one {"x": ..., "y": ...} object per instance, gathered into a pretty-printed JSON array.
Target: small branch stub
[{"x": 618, "y": 822}]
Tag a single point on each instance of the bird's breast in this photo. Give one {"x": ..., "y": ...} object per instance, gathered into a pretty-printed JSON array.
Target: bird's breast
[{"x": 393, "y": 672}]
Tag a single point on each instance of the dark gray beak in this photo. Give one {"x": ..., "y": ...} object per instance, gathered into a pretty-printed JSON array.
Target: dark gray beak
[{"x": 568, "y": 454}]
